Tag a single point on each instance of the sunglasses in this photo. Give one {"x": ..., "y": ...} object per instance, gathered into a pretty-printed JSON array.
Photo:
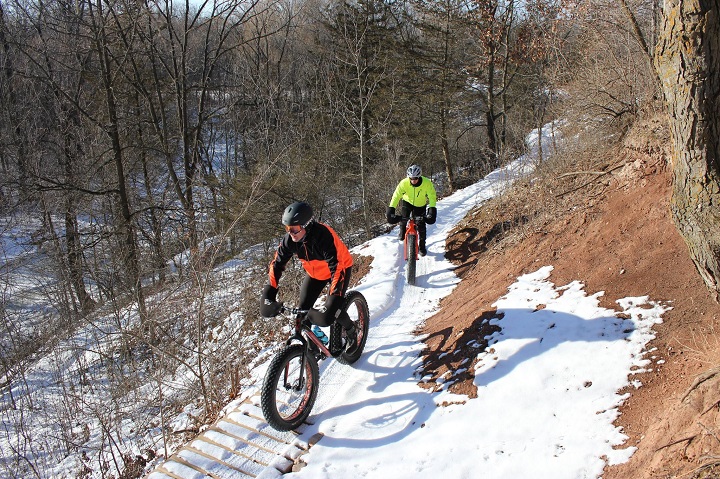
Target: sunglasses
[
  {"x": 293, "y": 230},
  {"x": 414, "y": 178}
]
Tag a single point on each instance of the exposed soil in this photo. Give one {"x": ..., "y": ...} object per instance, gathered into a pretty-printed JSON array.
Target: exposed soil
[{"x": 614, "y": 234}]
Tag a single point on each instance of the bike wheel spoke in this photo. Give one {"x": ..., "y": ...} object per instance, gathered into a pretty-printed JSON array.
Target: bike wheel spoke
[
  {"x": 291, "y": 394},
  {"x": 289, "y": 389},
  {"x": 357, "y": 309}
]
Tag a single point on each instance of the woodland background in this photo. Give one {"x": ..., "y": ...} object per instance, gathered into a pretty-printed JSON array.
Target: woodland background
[{"x": 142, "y": 143}]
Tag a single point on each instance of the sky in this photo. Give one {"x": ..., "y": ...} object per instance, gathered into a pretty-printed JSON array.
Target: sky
[{"x": 547, "y": 384}]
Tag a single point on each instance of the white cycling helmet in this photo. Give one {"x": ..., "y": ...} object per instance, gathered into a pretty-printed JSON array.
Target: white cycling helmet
[{"x": 414, "y": 171}]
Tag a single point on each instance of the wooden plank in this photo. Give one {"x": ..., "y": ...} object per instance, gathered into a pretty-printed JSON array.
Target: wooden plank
[
  {"x": 255, "y": 430},
  {"x": 249, "y": 414},
  {"x": 231, "y": 450},
  {"x": 186, "y": 463},
  {"x": 162, "y": 470},
  {"x": 218, "y": 460},
  {"x": 250, "y": 428},
  {"x": 241, "y": 439},
  {"x": 250, "y": 409}
]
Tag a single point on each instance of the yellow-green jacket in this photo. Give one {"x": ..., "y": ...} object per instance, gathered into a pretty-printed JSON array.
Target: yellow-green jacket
[{"x": 415, "y": 195}]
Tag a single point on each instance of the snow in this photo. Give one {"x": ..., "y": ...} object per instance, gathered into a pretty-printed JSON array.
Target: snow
[{"x": 547, "y": 383}]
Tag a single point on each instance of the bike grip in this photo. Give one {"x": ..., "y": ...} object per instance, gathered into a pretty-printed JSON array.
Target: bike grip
[
  {"x": 269, "y": 308},
  {"x": 431, "y": 215},
  {"x": 269, "y": 292}
]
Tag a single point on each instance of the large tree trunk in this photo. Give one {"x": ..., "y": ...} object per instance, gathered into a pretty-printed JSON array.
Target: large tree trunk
[{"x": 687, "y": 59}]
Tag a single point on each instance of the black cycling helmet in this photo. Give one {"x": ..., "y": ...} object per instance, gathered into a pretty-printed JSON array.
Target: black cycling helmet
[{"x": 298, "y": 213}]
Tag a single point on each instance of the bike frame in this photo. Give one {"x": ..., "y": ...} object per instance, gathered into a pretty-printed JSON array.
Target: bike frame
[
  {"x": 304, "y": 335},
  {"x": 291, "y": 383},
  {"x": 411, "y": 229}
]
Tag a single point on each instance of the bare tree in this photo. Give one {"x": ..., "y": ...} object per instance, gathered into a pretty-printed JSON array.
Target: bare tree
[
  {"x": 443, "y": 56},
  {"x": 359, "y": 70},
  {"x": 188, "y": 73},
  {"x": 612, "y": 77},
  {"x": 687, "y": 58},
  {"x": 103, "y": 24}
]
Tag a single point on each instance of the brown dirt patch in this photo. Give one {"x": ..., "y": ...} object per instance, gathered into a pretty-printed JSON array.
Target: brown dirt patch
[
  {"x": 615, "y": 235},
  {"x": 361, "y": 267}
]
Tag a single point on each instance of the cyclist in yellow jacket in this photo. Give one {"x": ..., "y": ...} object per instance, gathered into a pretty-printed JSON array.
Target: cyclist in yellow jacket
[{"x": 413, "y": 194}]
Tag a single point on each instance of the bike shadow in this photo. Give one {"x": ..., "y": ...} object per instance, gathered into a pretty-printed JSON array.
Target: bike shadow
[
  {"x": 499, "y": 341},
  {"x": 390, "y": 415}
]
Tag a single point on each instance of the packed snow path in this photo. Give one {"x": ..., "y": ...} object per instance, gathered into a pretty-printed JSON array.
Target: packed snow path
[{"x": 241, "y": 444}]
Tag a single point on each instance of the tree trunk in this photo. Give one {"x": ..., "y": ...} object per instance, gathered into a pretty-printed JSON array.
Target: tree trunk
[
  {"x": 76, "y": 269},
  {"x": 444, "y": 110},
  {"x": 447, "y": 159},
  {"x": 20, "y": 138},
  {"x": 126, "y": 228},
  {"x": 687, "y": 59},
  {"x": 490, "y": 113}
]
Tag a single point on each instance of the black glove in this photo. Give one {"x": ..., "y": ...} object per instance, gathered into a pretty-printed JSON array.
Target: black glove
[
  {"x": 431, "y": 215},
  {"x": 390, "y": 215},
  {"x": 328, "y": 313},
  {"x": 269, "y": 307}
]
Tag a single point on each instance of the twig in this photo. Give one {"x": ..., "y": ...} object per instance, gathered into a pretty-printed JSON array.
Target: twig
[
  {"x": 577, "y": 173},
  {"x": 711, "y": 406},
  {"x": 701, "y": 379},
  {"x": 599, "y": 174},
  {"x": 689, "y": 439},
  {"x": 700, "y": 469},
  {"x": 708, "y": 431}
]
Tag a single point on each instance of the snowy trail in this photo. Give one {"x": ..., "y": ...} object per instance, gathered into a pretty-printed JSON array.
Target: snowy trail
[
  {"x": 547, "y": 388},
  {"x": 392, "y": 353}
]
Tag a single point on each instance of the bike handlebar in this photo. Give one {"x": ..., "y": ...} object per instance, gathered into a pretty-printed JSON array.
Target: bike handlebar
[
  {"x": 292, "y": 310},
  {"x": 417, "y": 219}
]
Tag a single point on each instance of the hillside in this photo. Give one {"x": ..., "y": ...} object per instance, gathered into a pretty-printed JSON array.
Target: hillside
[
  {"x": 613, "y": 232},
  {"x": 596, "y": 212}
]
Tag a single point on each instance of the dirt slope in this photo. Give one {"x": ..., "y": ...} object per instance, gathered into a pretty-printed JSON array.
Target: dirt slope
[{"x": 615, "y": 235}]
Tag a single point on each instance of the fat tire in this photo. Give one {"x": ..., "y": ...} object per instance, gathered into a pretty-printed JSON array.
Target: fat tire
[
  {"x": 357, "y": 308},
  {"x": 290, "y": 410},
  {"x": 411, "y": 258}
]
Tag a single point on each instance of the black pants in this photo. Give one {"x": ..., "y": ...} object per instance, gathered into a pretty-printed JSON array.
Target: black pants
[
  {"x": 406, "y": 210},
  {"x": 310, "y": 291}
]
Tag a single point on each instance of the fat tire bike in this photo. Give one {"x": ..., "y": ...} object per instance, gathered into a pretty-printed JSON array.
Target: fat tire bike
[
  {"x": 292, "y": 379},
  {"x": 411, "y": 246}
]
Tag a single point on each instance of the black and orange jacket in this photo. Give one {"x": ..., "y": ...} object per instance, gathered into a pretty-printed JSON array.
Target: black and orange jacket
[{"x": 322, "y": 253}]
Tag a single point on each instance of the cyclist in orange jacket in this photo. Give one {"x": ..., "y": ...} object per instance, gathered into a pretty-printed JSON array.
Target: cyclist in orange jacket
[{"x": 326, "y": 261}]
